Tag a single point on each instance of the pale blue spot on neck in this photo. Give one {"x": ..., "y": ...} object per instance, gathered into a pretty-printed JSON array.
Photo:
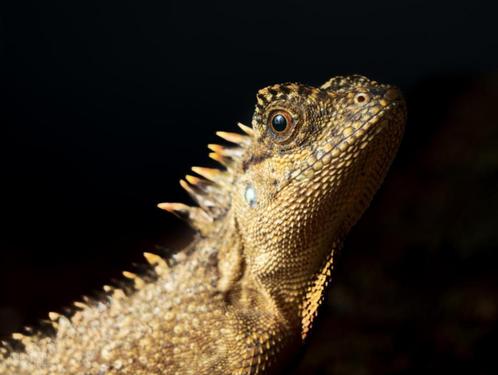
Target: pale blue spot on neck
[{"x": 250, "y": 196}]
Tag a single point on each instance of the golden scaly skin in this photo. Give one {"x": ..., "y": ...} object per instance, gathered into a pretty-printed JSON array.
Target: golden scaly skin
[{"x": 243, "y": 296}]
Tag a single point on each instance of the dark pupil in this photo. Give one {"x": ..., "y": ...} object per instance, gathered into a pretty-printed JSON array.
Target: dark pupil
[{"x": 279, "y": 123}]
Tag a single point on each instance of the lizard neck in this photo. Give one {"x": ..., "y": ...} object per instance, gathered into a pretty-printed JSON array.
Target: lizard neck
[
  {"x": 259, "y": 277},
  {"x": 287, "y": 268},
  {"x": 298, "y": 298}
]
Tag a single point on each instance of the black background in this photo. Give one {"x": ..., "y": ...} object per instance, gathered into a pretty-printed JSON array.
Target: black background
[{"x": 105, "y": 105}]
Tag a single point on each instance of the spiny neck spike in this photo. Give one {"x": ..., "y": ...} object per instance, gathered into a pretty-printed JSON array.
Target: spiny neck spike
[
  {"x": 87, "y": 300},
  {"x": 80, "y": 305},
  {"x": 154, "y": 259},
  {"x": 223, "y": 160},
  {"x": 198, "y": 194},
  {"x": 53, "y": 316},
  {"x": 233, "y": 152},
  {"x": 246, "y": 129},
  {"x": 22, "y": 338},
  {"x": 159, "y": 264},
  {"x": 118, "y": 294},
  {"x": 194, "y": 180},
  {"x": 138, "y": 282},
  {"x": 212, "y": 192},
  {"x": 212, "y": 174},
  {"x": 195, "y": 216},
  {"x": 187, "y": 188},
  {"x": 233, "y": 137},
  {"x": 107, "y": 288}
]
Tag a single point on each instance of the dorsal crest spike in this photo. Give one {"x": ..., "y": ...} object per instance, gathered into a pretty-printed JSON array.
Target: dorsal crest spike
[
  {"x": 18, "y": 336},
  {"x": 154, "y": 259},
  {"x": 107, "y": 288},
  {"x": 182, "y": 209},
  {"x": 212, "y": 174},
  {"x": 212, "y": 190},
  {"x": 137, "y": 281},
  {"x": 216, "y": 148},
  {"x": 53, "y": 316},
  {"x": 223, "y": 160},
  {"x": 232, "y": 152},
  {"x": 79, "y": 305},
  {"x": 161, "y": 267},
  {"x": 129, "y": 275},
  {"x": 246, "y": 129},
  {"x": 199, "y": 194},
  {"x": 196, "y": 217},
  {"x": 185, "y": 185},
  {"x": 194, "y": 180},
  {"x": 233, "y": 137},
  {"x": 118, "y": 294}
]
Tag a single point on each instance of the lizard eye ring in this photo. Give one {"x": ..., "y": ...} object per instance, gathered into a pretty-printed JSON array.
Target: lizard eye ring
[
  {"x": 281, "y": 124},
  {"x": 361, "y": 98}
]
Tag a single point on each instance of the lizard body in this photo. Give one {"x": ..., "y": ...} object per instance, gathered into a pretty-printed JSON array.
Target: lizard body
[{"x": 243, "y": 296}]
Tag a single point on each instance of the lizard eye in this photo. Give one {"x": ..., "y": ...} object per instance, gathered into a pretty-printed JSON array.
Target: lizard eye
[{"x": 281, "y": 124}]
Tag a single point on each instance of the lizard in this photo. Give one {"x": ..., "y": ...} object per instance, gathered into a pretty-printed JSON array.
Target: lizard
[{"x": 243, "y": 296}]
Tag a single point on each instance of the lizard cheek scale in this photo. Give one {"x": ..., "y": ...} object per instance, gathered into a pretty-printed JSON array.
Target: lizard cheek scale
[{"x": 242, "y": 297}]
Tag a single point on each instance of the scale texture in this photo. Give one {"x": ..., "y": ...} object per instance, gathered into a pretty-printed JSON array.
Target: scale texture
[{"x": 242, "y": 297}]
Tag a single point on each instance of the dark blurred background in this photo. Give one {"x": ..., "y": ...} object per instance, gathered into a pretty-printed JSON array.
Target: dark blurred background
[{"x": 105, "y": 105}]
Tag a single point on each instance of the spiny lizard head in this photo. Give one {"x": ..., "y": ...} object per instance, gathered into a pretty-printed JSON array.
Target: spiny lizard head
[
  {"x": 317, "y": 158},
  {"x": 300, "y": 179}
]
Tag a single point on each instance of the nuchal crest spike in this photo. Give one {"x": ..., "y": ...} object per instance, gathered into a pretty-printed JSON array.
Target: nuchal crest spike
[{"x": 212, "y": 192}]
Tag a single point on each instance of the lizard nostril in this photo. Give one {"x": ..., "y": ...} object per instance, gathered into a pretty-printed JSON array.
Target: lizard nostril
[{"x": 392, "y": 94}]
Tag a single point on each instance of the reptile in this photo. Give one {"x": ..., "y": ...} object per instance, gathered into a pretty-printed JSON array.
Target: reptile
[{"x": 242, "y": 297}]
